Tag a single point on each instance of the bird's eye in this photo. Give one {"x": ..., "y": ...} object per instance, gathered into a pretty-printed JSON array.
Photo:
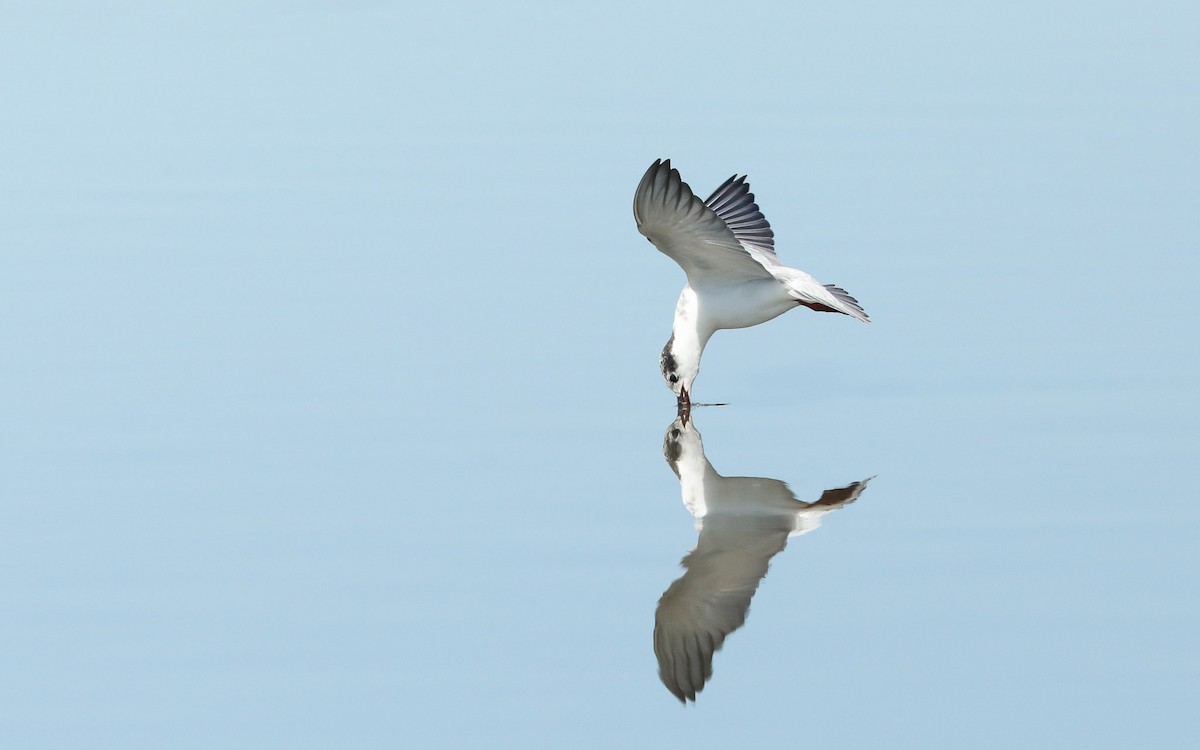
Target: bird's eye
[{"x": 673, "y": 378}]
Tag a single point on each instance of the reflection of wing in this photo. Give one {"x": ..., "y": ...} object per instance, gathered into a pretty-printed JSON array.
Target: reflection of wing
[
  {"x": 710, "y": 601},
  {"x": 743, "y": 522}
]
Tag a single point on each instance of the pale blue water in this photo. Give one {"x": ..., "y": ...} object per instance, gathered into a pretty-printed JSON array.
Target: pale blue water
[{"x": 331, "y": 413}]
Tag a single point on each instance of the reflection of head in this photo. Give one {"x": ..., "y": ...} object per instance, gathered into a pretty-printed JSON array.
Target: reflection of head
[{"x": 682, "y": 442}]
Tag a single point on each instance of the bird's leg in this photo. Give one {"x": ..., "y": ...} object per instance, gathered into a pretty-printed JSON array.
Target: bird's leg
[{"x": 684, "y": 405}]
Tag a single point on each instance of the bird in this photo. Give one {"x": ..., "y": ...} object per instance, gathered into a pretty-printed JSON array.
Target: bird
[
  {"x": 743, "y": 522},
  {"x": 734, "y": 278}
]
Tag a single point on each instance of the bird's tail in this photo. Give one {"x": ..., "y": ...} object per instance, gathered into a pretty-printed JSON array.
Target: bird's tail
[
  {"x": 847, "y": 304},
  {"x": 827, "y": 298}
]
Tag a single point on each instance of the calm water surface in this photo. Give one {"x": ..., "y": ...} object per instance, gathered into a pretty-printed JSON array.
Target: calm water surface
[{"x": 331, "y": 414}]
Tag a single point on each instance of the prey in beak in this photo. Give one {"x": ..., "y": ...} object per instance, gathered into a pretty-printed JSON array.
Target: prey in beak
[{"x": 683, "y": 404}]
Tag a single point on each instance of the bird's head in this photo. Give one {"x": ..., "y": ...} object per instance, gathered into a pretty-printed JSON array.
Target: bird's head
[{"x": 680, "y": 365}]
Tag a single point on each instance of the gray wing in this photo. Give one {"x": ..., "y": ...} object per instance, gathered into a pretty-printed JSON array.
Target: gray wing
[
  {"x": 691, "y": 233},
  {"x": 734, "y": 204},
  {"x": 711, "y": 599}
]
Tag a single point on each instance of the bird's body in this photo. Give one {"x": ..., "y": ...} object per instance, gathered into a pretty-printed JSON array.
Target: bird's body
[{"x": 727, "y": 249}]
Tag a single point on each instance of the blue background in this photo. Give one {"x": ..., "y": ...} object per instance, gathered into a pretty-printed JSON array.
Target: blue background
[{"x": 329, "y": 403}]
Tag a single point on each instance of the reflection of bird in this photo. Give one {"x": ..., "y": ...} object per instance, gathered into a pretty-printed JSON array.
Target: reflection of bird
[
  {"x": 727, "y": 249},
  {"x": 743, "y": 523}
]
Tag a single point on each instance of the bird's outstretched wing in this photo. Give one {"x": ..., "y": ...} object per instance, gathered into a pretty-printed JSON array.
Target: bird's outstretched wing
[
  {"x": 695, "y": 235},
  {"x": 734, "y": 204}
]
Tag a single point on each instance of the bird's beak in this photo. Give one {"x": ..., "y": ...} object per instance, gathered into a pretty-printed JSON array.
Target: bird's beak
[{"x": 684, "y": 405}]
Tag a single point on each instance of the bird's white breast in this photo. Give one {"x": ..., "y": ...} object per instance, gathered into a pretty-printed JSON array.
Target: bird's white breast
[{"x": 742, "y": 305}]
